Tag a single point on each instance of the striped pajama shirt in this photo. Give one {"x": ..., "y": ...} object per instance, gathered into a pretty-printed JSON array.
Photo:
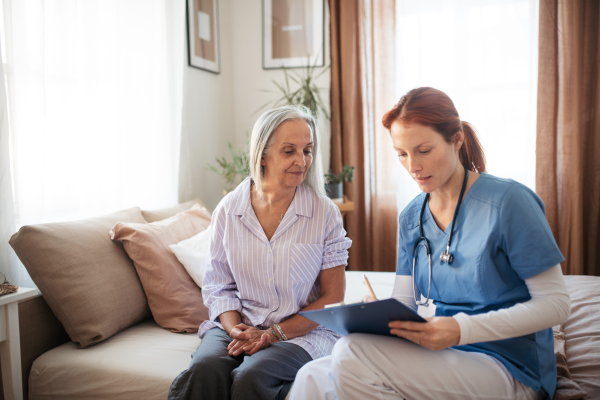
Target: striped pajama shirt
[{"x": 268, "y": 281}]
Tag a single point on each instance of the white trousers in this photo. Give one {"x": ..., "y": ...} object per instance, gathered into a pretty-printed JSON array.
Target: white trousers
[{"x": 366, "y": 366}]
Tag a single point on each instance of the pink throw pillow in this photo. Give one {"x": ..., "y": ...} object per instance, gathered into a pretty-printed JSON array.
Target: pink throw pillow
[{"x": 174, "y": 298}]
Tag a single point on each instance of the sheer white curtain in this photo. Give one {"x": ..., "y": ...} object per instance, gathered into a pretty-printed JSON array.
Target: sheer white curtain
[
  {"x": 8, "y": 259},
  {"x": 483, "y": 54},
  {"x": 94, "y": 98}
]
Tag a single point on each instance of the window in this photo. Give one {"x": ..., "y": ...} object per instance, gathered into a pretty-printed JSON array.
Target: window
[
  {"x": 483, "y": 54},
  {"x": 95, "y": 114}
]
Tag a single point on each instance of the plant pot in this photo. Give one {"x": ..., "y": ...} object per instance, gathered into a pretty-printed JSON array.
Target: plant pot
[{"x": 334, "y": 190}]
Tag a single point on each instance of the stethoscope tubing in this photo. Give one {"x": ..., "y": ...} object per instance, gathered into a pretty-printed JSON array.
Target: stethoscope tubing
[{"x": 422, "y": 241}]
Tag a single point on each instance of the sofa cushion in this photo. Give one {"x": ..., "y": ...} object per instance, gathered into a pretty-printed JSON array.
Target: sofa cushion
[
  {"x": 174, "y": 299},
  {"x": 566, "y": 388},
  {"x": 139, "y": 363},
  {"x": 164, "y": 213},
  {"x": 582, "y": 333},
  {"x": 88, "y": 280}
]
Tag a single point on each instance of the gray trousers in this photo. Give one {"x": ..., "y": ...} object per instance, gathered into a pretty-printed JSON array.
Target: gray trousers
[{"x": 214, "y": 374}]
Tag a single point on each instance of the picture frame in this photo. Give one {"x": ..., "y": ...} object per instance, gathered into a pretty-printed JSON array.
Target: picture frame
[
  {"x": 203, "y": 35},
  {"x": 293, "y": 33}
]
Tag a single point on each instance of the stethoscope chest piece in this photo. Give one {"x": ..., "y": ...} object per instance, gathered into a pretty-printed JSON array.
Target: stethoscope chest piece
[{"x": 446, "y": 257}]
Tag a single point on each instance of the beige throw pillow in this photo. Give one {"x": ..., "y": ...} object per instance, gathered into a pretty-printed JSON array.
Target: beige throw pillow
[
  {"x": 174, "y": 299},
  {"x": 87, "y": 280}
]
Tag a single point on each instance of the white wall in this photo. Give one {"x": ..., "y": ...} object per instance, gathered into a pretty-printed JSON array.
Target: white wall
[
  {"x": 207, "y": 120},
  {"x": 223, "y": 107},
  {"x": 249, "y": 78}
]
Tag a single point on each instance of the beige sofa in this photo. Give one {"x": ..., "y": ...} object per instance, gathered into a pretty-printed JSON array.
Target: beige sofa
[{"x": 93, "y": 299}]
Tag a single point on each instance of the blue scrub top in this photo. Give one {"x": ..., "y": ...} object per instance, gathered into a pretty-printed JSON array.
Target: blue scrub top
[{"x": 501, "y": 237}]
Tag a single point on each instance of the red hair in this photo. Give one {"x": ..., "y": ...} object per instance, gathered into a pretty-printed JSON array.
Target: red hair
[{"x": 433, "y": 108}]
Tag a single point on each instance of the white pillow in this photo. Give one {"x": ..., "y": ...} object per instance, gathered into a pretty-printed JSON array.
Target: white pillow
[{"x": 192, "y": 253}]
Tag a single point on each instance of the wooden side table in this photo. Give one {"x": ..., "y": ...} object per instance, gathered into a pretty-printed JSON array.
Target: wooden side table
[
  {"x": 10, "y": 343},
  {"x": 346, "y": 206}
]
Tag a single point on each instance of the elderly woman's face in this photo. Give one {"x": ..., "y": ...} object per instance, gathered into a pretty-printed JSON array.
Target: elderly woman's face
[{"x": 290, "y": 155}]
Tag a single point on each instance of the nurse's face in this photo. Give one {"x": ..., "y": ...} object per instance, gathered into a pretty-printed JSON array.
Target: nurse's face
[
  {"x": 426, "y": 155},
  {"x": 290, "y": 155}
]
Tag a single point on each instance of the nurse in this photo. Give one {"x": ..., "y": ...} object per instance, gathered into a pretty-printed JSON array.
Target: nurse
[{"x": 496, "y": 279}]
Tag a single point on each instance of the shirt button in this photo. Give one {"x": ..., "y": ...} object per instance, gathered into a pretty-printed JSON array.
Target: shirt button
[{"x": 269, "y": 250}]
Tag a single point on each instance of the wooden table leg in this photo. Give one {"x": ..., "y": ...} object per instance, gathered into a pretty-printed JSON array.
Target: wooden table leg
[{"x": 10, "y": 349}]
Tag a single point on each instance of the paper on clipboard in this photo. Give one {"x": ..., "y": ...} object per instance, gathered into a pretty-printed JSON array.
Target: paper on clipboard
[{"x": 363, "y": 317}]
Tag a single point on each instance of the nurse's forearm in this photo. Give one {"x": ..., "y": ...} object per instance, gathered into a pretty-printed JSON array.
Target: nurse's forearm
[
  {"x": 403, "y": 291},
  {"x": 550, "y": 305}
]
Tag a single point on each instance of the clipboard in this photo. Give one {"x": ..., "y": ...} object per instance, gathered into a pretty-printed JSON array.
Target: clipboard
[{"x": 363, "y": 317}]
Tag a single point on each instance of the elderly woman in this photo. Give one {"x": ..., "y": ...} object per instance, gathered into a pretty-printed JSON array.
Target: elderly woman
[{"x": 277, "y": 247}]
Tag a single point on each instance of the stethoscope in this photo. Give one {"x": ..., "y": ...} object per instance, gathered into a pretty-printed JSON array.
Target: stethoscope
[{"x": 446, "y": 256}]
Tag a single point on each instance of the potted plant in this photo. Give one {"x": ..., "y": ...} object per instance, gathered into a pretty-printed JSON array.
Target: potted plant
[
  {"x": 334, "y": 183},
  {"x": 234, "y": 172},
  {"x": 306, "y": 93}
]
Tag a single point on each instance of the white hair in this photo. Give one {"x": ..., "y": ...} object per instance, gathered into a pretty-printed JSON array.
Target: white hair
[{"x": 262, "y": 139}]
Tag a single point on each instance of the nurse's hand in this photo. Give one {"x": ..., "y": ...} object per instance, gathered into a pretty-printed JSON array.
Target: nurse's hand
[{"x": 437, "y": 334}]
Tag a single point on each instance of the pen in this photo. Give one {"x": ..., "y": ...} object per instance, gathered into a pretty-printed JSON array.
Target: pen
[
  {"x": 368, "y": 285},
  {"x": 341, "y": 304}
]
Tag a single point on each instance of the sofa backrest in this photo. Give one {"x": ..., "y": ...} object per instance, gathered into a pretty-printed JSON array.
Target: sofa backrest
[
  {"x": 88, "y": 280},
  {"x": 69, "y": 251}
]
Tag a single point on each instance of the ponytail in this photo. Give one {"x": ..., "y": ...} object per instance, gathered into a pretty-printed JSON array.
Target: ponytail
[{"x": 471, "y": 153}]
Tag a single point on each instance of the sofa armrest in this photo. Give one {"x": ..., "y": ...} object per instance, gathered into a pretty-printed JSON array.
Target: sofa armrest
[{"x": 39, "y": 331}]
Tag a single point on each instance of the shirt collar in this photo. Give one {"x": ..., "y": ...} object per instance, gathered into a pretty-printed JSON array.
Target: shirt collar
[
  {"x": 240, "y": 200},
  {"x": 301, "y": 205},
  {"x": 303, "y": 200}
]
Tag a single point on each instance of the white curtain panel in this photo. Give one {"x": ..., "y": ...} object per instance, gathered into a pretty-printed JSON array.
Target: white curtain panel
[
  {"x": 483, "y": 54},
  {"x": 95, "y": 103},
  {"x": 9, "y": 262},
  {"x": 95, "y": 95}
]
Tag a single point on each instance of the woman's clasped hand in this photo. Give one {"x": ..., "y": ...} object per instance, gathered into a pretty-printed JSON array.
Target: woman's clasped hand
[{"x": 249, "y": 340}]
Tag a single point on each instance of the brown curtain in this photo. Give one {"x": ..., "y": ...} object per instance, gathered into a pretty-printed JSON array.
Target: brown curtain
[
  {"x": 568, "y": 129},
  {"x": 362, "y": 90}
]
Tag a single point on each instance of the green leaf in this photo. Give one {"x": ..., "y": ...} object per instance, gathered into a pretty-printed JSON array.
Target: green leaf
[
  {"x": 322, "y": 72},
  {"x": 298, "y": 88},
  {"x": 232, "y": 172}
]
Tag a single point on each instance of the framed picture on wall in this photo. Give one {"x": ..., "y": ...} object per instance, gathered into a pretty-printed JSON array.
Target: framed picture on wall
[
  {"x": 203, "y": 35},
  {"x": 293, "y": 33}
]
